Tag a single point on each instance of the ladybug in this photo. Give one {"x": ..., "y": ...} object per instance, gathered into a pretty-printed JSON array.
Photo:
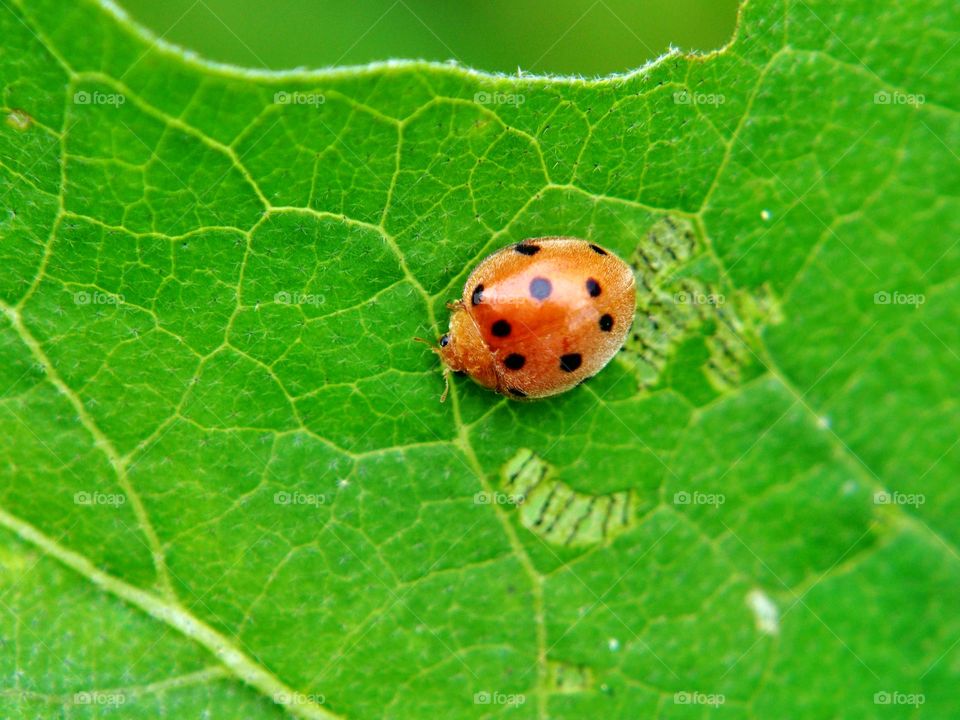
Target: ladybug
[{"x": 539, "y": 317}]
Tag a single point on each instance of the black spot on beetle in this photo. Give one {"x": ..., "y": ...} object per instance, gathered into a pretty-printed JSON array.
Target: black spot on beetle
[
  {"x": 606, "y": 322},
  {"x": 593, "y": 287},
  {"x": 501, "y": 328},
  {"x": 540, "y": 288},
  {"x": 597, "y": 249},
  {"x": 514, "y": 361},
  {"x": 526, "y": 248},
  {"x": 477, "y": 297},
  {"x": 444, "y": 341},
  {"x": 570, "y": 362},
  {"x": 517, "y": 393}
]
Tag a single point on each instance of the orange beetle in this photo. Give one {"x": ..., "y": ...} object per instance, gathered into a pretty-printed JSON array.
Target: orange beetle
[{"x": 539, "y": 317}]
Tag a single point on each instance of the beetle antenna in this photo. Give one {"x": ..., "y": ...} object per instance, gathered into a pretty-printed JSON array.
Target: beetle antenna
[
  {"x": 446, "y": 384},
  {"x": 429, "y": 344},
  {"x": 446, "y": 370}
]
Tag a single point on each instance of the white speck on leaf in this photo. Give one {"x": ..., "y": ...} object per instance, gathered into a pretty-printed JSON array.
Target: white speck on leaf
[
  {"x": 19, "y": 120},
  {"x": 765, "y": 215},
  {"x": 764, "y": 612},
  {"x": 613, "y": 644}
]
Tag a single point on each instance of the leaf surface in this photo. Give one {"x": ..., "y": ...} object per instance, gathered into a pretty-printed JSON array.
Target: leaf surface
[{"x": 227, "y": 486}]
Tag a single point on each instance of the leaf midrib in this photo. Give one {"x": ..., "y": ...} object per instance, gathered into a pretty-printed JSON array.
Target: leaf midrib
[{"x": 171, "y": 613}]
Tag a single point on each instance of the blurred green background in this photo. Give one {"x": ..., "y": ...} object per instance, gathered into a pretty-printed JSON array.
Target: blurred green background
[{"x": 540, "y": 36}]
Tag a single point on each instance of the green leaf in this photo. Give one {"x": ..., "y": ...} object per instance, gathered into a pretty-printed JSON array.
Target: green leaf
[{"x": 228, "y": 487}]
